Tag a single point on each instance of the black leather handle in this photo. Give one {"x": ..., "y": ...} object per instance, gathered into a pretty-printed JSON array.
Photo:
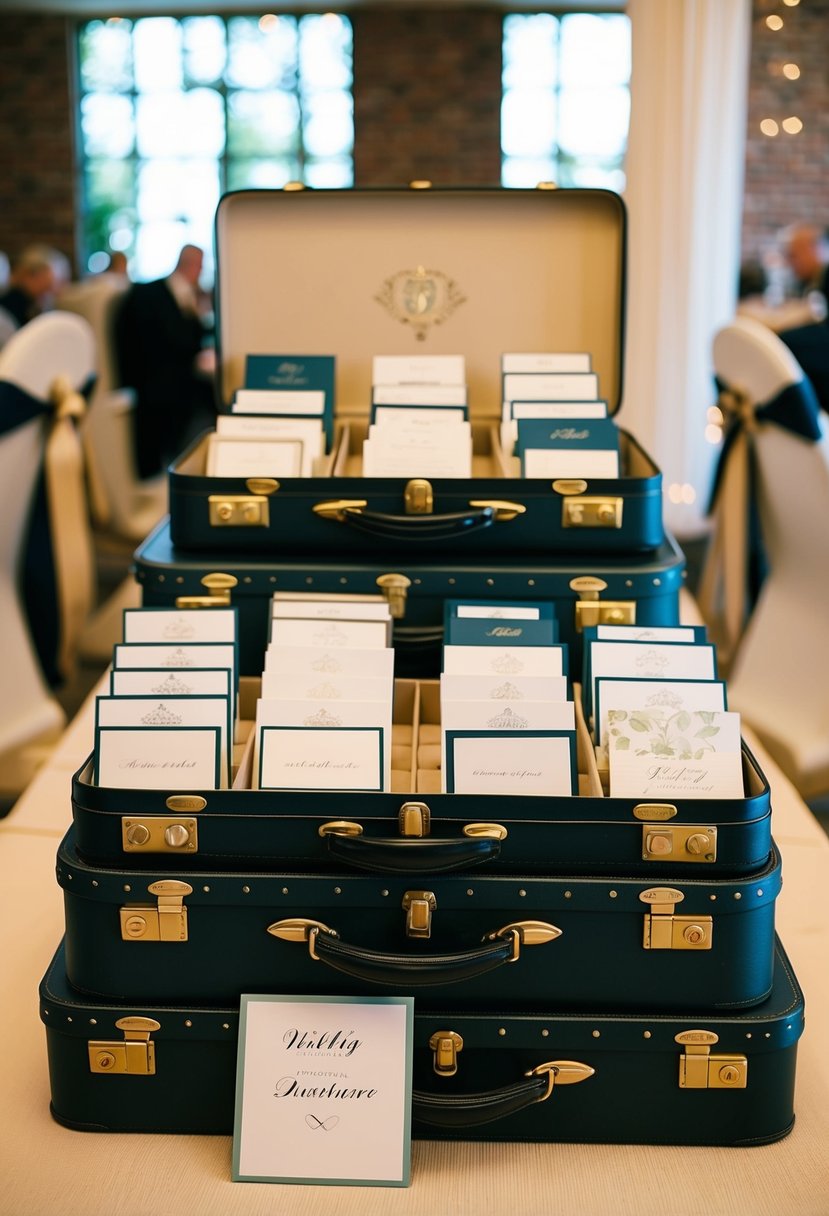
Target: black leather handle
[
  {"x": 398, "y": 855},
  {"x": 412, "y": 970},
  {"x": 416, "y": 527},
  {"x": 471, "y": 1110}
]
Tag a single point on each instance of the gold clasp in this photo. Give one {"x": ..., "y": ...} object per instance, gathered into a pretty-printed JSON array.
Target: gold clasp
[
  {"x": 418, "y": 497},
  {"x": 159, "y": 834},
  {"x": 135, "y": 1055},
  {"x": 592, "y": 611},
  {"x": 680, "y": 842},
  {"x": 300, "y": 929},
  {"x": 526, "y": 933},
  {"x": 560, "y": 1072},
  {"x": 238, "y": 510},
  {"x": 395, "y": 588},
  {"x": 504, "y": 510},
  {"x": 698, "y": 1069},
  {"x": 419, "y": 906},
  {"x": 414, "y": 819},
  {"x": 445, "y": 1046},
  {"x": 164, "y": 921},
  {"x": 663, "y": 930},
  {"x": 336, "y": 507},
  {"x": 219, "y": 587}
]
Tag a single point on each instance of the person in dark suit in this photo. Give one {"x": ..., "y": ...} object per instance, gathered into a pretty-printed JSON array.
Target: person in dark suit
[
  {"x": 159, "y": 332},
  {"x": 807, "y": 252}
]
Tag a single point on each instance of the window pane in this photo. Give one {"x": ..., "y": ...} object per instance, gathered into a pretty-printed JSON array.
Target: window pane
[
  {"x": 518, "y": 172},
  {"x": 325, "y": 50},
  {"x": 262, "y": 174},
  {"x": 330, "y": 174},
  {"x": 530, "y": 50},
  {"x": 594, "y": 122},
  {"x": 184, "y": 190},
  {"x": 204, "y": 49},
  {"x": 261, "y": 124},
  {"x": 262, "y": 59},
  {"x": 107, "y": 124},
  {"x": 328, "y": 126},
  {"x": 180, "y": 124},
  {"x": 595, "y": 50},
  {"x": 528, "y": 122},
  {"x": 105, "y": 55},
  {"x": 157, "y": 51}
]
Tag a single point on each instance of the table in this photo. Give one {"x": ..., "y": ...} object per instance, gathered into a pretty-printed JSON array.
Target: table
[{"x": 50, "y": 1169}]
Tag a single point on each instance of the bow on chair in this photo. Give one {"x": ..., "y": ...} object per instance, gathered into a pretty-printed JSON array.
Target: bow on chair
[
  {"x": 735, "y": 563},
  {"x": 57, "y": 569}
]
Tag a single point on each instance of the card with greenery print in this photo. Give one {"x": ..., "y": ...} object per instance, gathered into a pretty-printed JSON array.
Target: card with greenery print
[{"x": 665, "y": 753}]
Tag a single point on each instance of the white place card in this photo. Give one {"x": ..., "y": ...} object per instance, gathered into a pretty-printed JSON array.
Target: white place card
[
  {"x": 418, "y": 369},
  {"x": 421, "y": 394},
  {"x": 324, "y": 1090},
  {"x": 562, "y": 462},
  {"x": 411, "y": 416},
  {"x": 279, "y": 401},
  {"x": 169, "y": 758},
  {"x": 231, "y": 457},
  {"x": 564, "y": 386},
  {"x": 690, "y": 754},
  {"x": 307, "y": 431},
  {"x": 503, "y": 689},
  {"x": 662, "y": 698},
  {"x": 651, "y": 633},
  {"x": 557, "y": 409},
  {"x": 320, "y": 758},
  {"x": 514, "y": 612},
  {"x": 319, "y": 661},
  {"x": 180, "y": 625},
  {"x": 330, "y": 634},
  {"x": 277, "y": 686},
  {"x": 180, "y": 657},
  {"x": 543, "y": 362},
  {"x": 539, "y": 763},
  {"x": 158, "y": 712},
  {"x": 503, "y": 660},
  {"x": 484, "y": 716},
  {"x": 326, "y": 610},
  {"x": 161, "y": 682},
  {"x": 650, "y": 661},
  {"x": 440, "y": 450}
]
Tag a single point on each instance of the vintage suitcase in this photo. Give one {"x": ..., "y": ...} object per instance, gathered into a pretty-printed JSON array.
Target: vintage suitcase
[
  {"x": 612, "y": 942},
  {"x": 585, "y": 590},
  {"x": 415, "y": 828},
  {"x": 149, "y": 1067},
  {"x": 331, "y": 272}
]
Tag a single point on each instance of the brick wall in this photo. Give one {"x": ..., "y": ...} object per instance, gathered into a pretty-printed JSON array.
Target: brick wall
[
  {"x": 787, "y": 176},
  {"x": 36, "y": 159},
  {"x": 427, "y": 104}
]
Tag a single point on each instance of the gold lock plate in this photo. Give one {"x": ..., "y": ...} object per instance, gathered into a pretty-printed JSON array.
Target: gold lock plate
[
  {"x": 414, "y": 819},
  {"x": 164, "y": 921},
  {"x": 159, "y": 835},
  {"x": 699, "y": 1069},
  {"x": 395, "y": 588},
  {"x": 583, "y": 512},
  {"x": 590, "y": 610},
  {"x": 419, "y": 906},
  {"x": 445, "y": 1046},
  {"x": 219, "y": 587},
  {"x": 238, "y": 511},
  {"x": 418, "y": 497},
  {"x": 679, "y": 842},
  {"x": 664, "y": 930},
  {"x": 135, "y": 1054}
]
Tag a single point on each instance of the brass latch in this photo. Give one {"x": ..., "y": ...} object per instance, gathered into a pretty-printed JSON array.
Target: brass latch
[
  {"x": 525, "y": 933},
  {"x": 159, "y": 835},
  {"x": 418, "y": 497},
  {"x": 414, "y": 819},
  {"x": 590, "y": 610},
  {"x": 665, "y": 931},
  {"x": 419, "y": 906},
  {"x": 679, "y": 842},
  {"x": 445, "y": 1046},
  {"x": 591, "y": 512},
  {"x": 164, "y": 921},
  {"x": 504, "y": 510},
  {"x": 238, "y": 511},
  {"x": 219, "y": 587},
  {"x": 395, "y": 588},
  {"x": 698, "y": 1069},
  {"x": 340, "y": 827},
  {"x": 335, "y": 508},
  {"x": 135, "y": 1055},
  {"x": 485, "y": 831}
]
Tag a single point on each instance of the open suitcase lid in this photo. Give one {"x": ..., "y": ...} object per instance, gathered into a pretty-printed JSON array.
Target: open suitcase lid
[{"x": 336, "y": 272}]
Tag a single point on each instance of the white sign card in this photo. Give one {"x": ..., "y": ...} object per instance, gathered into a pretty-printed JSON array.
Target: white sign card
[
  {"x": 689, "y": 754},
  {"x": 421, "y": 394},
  {"x": 562, "y": 462},
  {"x": 324, "y": 1090}
]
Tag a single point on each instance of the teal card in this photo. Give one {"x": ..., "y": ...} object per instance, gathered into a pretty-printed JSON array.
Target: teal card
[
  {"x": 297, "y": 373},
  {"x": 466, "y": 631}
]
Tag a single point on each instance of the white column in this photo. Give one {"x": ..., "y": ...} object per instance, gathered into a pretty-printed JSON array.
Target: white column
[{"x": 684, "y": 171}]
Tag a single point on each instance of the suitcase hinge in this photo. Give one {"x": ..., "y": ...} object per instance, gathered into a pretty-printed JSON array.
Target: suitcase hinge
[
  {"x": 135, "y": 1055},
  {"x": 419, "y": 906},
  {"x": 577, "y": 512},
  {"x": 414, "y": 819},
  {"x": 686, "y": 842},
  {"x": 219, "y": 587},
  {"x": 698, "y": 1069},
  {"x": 159, "y": 835},
  {"x": 590, "y": 610},
  {"x": 418, "y": 497},
  {"x": 666, "y": 931},
  {"x": 395, "y": 588},
  {"x": 238, "y": 510},
  {"x": 165, "y": 921},
  {"x": 445, "y": 1046}
]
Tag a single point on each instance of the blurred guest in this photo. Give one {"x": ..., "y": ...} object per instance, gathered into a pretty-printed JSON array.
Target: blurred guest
[
  {"x": 159, "y": 334},
  {"x": 117, "y": 263},
  {"x": 807, "y": 253},
  {"x": 36, "y": 276}
]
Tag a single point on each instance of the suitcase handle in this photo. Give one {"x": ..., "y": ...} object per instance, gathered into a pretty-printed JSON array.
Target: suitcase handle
[
  {"x": 460, "y": 1111},
  {"x": 413, "y": 970},
  {"x": 396, "y": 855},
  {"x": 411, "y": 527}
]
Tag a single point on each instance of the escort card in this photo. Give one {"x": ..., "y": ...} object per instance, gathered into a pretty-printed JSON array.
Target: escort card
[
  {"x": 545, "y": 362},
  {"x": 577, "y": 386},
  {"x": 526, "y": 610},
  {"x": 324, "y": 1090},
  {"x": 161, "y": 682},
  {"x": 558, "y": 409},
  {"x": 180, "y": 625},
  {"x": 278, "y": 401},
  {"x": 166, "y": 757},
  {"x": 418, "y": 369},
  {"x": 333, "y": 609},
  {"x": 411, "y": 415},
  {"x": 184, "y": 711},
  {"x": 648, "y": 660},
  {"x": 441, "y": 449},
  {"x": 319, "y": 661},
  {"x": 419, "y": 394},
  {"x": 267, "y": 429},
  {"x": 277, "y": 686},
  {"x": 495, "y": 688},
  {"x": 483, "y": 715},
  {"x": 255, "y": 457},
  {"x": 505, "y": 661},
  {"x": 178, "y": 658},
  {"x": 646, "y": 633},
  {"x": 583, "y": 448},
  {"x": 323, "y": 744},
  {"x": 330, "y": 634},
  {"x": 538, "y": 762},
  {"x": 297, "y": 373},
  {"x": 686, "y": 754},
  {"x": 465, "y": 631},
  {"x": 658, "y": 698}
]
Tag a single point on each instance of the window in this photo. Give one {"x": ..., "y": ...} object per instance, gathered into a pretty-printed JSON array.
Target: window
[
  {"x": 175, "y": 111},
  {"x": 565, "y": 99}
]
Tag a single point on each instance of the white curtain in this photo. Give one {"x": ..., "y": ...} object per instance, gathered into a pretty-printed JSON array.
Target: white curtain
[{"x": 684, "y": 167}]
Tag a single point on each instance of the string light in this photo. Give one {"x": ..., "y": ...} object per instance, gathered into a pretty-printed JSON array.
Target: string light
[
  {"x": 774, "y": 22},
  {"x": 769, "y": 127},
  {"x": 791, "y": 71},
  {"x": 793, "y": 125}
]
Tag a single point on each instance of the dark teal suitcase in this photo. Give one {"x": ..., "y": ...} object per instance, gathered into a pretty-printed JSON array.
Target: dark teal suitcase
[
  {"x": 644, "y": 1078},
  {"x": 585, "y": 590},
  {"x": 328, "y": 272},
  {"x": 491, "y": 941}
]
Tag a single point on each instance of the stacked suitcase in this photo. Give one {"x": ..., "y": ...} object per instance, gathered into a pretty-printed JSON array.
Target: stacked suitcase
[{"x": 566, "y": 948}]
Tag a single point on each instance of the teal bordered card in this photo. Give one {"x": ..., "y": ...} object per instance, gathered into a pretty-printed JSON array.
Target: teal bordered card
[
  {"x": 541, "y": 762},
  {"x": 324, "y": 1090}
]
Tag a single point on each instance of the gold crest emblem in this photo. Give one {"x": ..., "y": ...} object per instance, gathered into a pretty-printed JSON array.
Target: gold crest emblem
[{"x": 420, "y": 298}]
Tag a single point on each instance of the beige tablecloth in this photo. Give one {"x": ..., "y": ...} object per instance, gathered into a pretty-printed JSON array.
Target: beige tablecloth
[{"x": 48, "y": 1169}]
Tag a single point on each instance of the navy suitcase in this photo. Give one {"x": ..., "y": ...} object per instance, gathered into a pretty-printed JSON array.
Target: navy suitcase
[
  {"x": 143, "y": 1066},
  {"x": 488, "y": 942},
  {"x": 586, "y": 591},
  {"x": 336, "y": 272}
]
